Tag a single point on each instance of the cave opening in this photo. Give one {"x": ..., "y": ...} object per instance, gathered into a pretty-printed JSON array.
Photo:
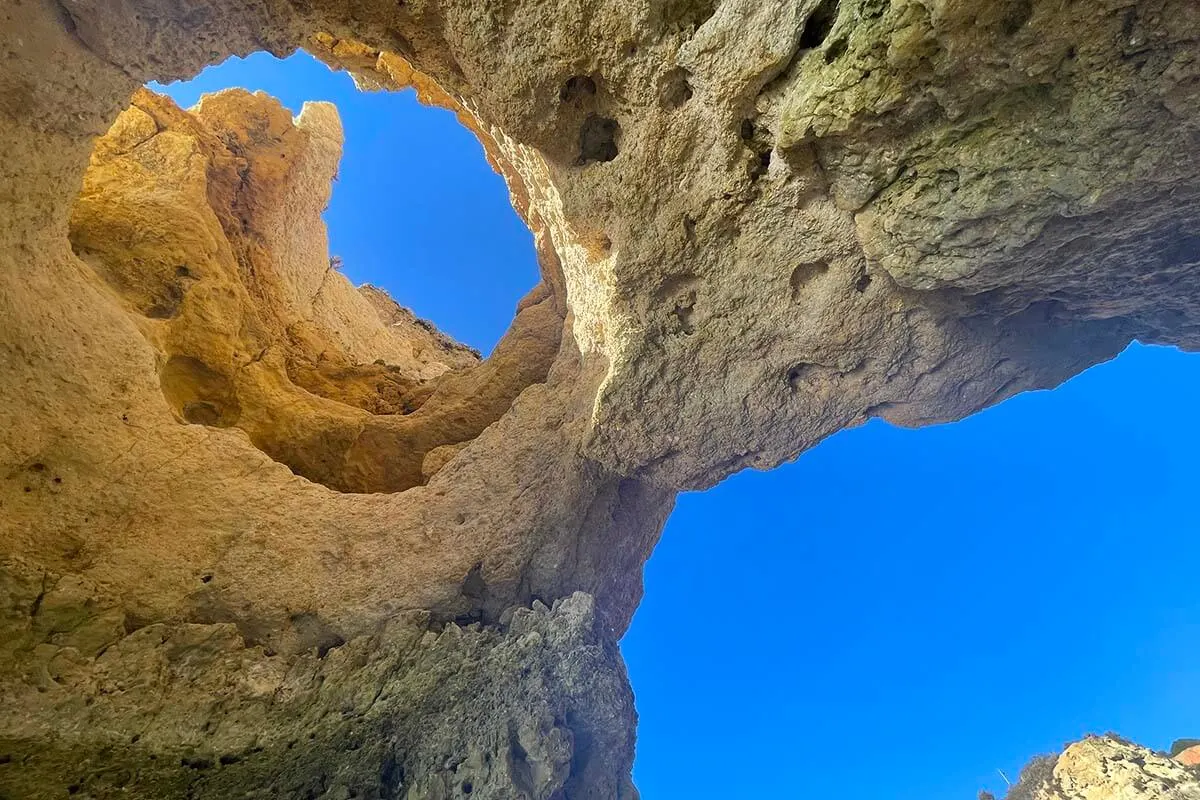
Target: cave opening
[
  {"x": 333, "y": 206},
  {"x": 354, "y": 559},
  {"x": 416, "y": 210}
]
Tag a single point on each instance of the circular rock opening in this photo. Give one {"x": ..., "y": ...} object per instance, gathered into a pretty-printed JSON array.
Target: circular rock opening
[{"x": 210, "y": 226}]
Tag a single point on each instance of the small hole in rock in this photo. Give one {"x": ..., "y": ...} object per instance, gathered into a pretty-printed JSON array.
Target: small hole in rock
[
  {"x": 206, "y": 578},
  {"x": 598, "y": 139},
  {"x": 762, "y": 166},
  {"x": 762, "y": 149},
  {"x": 835, "y": 50},
  {"x": 862, "y": 283},
  {"x": 796, "y": 375},
  {"x": 674, "y": 89},
  {"x": 819, "y": 24},
  {"x": 1016, "y": 15},
  {"x": 576, "y": 89},
  {"x": 73, "y": 788}
]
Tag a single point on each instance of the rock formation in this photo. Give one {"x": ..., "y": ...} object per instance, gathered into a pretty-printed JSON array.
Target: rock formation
[
  {"x": 1186, "y": 752},
  {"x": 1103, "y": 767},
  {"x": 259, "y": 529}
]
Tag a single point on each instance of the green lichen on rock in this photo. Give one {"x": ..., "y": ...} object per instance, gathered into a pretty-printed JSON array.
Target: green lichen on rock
[{"x": 991, "y": 148}]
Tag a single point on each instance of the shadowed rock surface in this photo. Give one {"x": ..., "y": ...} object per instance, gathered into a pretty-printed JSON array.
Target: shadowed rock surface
[
  {"x": 405, "y": 712},
  {"x": 243, "y": 502}
]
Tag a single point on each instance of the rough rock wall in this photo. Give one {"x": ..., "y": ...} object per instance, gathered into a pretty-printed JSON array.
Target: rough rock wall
[
  {"x": 1105, "y": 768},
  {"x": 758, "y": 223},
  {"x": 208, "y": 227},
  {"x": 191, "y": 711}
]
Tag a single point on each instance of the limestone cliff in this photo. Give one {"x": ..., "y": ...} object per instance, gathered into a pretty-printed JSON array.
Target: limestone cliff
[
  {"x": 243, "y": 503},
  {"x": 1104, "y": 767}
]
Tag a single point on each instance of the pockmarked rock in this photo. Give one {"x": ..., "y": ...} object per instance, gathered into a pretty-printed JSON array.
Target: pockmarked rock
[{"x": 263, "y": 529}]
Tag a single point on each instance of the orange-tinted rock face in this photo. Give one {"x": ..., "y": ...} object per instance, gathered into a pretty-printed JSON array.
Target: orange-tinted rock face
[
  {"x": 207, "y": 226},
  {"x": 243, "y": 503},
  {"x": 1189, "y": 757}
]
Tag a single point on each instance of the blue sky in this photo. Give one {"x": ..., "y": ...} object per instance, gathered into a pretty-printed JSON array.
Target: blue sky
[
  {"x": 900, "y": 614},
  {"x": 897, "y": 614},
  {"x": 416, "y": 208}
]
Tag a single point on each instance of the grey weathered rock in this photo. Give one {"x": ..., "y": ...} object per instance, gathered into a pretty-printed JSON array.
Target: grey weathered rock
[
  {"x": 758, "y": 222},
  {"x": 539, "y": 707}
]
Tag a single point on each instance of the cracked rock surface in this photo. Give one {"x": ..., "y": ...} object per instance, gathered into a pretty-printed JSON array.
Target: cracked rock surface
[{"x": 242, "y": 501}]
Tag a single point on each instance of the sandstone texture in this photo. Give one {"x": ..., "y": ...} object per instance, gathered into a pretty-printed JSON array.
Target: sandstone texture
[
  {"x": 263, "y": 530},
  {"x": 1186, "y": 752},
  {"x": 1105, "y": 768}
]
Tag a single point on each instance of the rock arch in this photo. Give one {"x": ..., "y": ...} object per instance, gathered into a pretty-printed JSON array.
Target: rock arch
[{"x": 997, "y": 196}]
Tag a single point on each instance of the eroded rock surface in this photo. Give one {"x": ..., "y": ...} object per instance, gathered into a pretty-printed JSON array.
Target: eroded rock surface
[
  {"x": 758, "y": 223},
  {"x": 1106, "y": 768},
  {"x": 404, "y": 712},
  {"x": 207, "y": 225}
]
